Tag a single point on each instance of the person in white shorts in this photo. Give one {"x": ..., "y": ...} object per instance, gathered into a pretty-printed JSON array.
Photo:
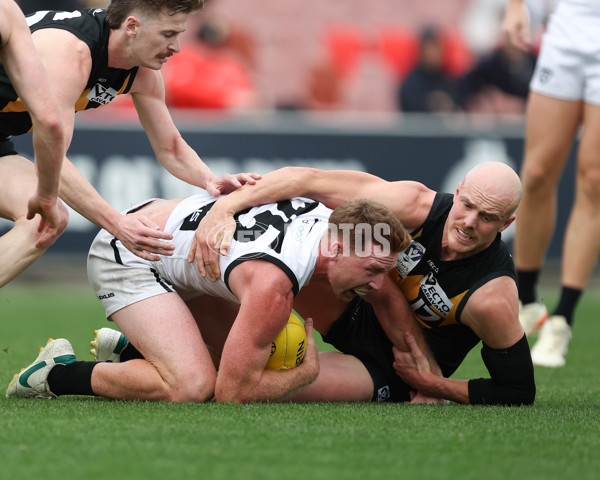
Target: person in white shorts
[
  {"x": 564, "y": 97},
  {"x": 163, "y": 306}
]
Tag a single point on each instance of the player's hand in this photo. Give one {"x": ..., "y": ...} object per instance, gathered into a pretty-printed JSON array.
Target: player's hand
[
  {"x": 417, "y": 398},
  {"x": 53, "y": 222},
  {"x": 516, "y": 25},
  {"x": 143, "y": 238},
  {"x": 213, "y": 238},
  {"x": 228, "y": 183},
  {"x": 412, "y": 366}
]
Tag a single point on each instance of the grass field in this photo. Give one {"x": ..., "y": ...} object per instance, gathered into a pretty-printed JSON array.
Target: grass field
[{"x": 81, "y": 437}]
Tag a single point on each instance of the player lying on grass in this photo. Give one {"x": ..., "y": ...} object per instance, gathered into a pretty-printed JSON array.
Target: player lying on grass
[
  {"x": 456, "y": 274},
  {"x": 278, "y": 251}
]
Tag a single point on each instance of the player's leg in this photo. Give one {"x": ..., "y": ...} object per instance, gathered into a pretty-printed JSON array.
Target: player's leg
[
  {"x": 176, "y": 367},
  {"x": 580, "y": 248},
  {"x": 342, "y": 378},
  {"x": 551, "y": 127},
  {"x": 17, "y": 247}
]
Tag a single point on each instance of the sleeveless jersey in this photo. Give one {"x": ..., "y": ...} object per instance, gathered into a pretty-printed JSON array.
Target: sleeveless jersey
[
  {"x": 438, "y": 290},
  {"x": 103, "y": 84},
  {"x": 286, "y": 233}
]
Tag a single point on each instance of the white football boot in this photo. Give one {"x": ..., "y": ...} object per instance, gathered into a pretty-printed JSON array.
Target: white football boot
[
  {"x": 107, "y": 345},
  {"x": 532, "y": 316},
  {"x": 32, "y": 381},
  {"x": 550, "y": 350}
]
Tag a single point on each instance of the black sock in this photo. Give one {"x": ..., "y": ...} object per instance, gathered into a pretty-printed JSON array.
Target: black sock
[
  {"x": 130, "y": 353},
  {"x": 527, "y": 285},
  {"x": 72, "y": 379},
  {"x": 567, "y": 303}
]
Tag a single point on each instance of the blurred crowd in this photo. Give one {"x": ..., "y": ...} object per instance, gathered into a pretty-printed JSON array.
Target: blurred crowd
[{"x": 348, "y": 55}]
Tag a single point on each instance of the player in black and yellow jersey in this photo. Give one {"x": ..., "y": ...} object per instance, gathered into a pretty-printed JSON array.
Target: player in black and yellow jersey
[
  {"x": 31, "y": 235},
  {"x": 91, "y": 56},
  {"x": 456, "y": 279}
]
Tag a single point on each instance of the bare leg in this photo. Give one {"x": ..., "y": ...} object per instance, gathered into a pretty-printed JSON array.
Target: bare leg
[
  {"x": 551, "y": 128},
  {"x": 342, "y": 378},
  {"x": 17, "y": 246},
  {"x": 17, "y": 249},
  {"x": 582, "y": 239},
  {"x": 177, "y": 366}
]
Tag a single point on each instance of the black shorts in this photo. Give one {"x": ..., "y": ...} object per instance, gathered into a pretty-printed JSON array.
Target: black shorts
[
  {"x": 357, "y": 332},
  {"x": 7, "y": 147}
]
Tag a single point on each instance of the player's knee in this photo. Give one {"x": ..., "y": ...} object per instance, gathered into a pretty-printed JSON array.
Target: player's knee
[
  {"x": 195, "y": 388},
  {"x": 589, "y": 182},
  {"x": 535, "y": 179}
]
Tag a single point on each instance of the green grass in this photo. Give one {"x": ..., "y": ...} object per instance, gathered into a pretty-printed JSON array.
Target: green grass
[{"x": 81, "y": 437}]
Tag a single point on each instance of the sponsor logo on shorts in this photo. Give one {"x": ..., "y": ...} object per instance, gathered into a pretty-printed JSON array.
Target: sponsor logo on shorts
[
  {"x": 106, "y": 295},
  {"x": 383, "y": 394},
  {"x": 409, "y": 258}
]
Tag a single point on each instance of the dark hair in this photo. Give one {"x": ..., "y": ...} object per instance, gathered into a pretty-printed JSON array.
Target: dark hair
[{"x": 119, "y": 10}]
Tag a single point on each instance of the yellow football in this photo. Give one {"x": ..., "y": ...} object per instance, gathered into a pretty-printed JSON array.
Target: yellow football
[{"x": 289, "y": 346}]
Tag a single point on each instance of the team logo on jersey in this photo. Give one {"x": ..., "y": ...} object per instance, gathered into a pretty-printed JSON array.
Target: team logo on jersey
[
  {"x": 409, "y": 258},
  {"x": 545, "y": 74},
  {"x": 102, "y": 95}
]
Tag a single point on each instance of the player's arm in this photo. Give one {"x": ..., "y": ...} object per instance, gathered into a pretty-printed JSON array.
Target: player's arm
[
  {"x": 172, "y": 151},
  {"x": 516, "y": 24},
  {"x": 410, "y": 202},
  {"x": 266, "y": 299},
  {"x": 68, "y": 62},
  {"x": 396, "y": 318},
  {"x": 492, "y": 313},
  {"x": 29, "y": 78}
]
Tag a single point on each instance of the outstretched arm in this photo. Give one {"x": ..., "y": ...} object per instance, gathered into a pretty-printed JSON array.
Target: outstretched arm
[
  {"x": 61, "y": 51},
  {"x": 172, "y": 151},
  {"x": 516, "y": 24},
  {"x": 410, "y": 202}
]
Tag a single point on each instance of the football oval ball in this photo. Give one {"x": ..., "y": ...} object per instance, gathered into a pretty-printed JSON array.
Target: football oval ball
[{"x": 289, "y": 346}]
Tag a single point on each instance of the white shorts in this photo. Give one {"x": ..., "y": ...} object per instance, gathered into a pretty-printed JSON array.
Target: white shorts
[
  {"x": 120, "y": 278},
  {"x": 568, "y": 66}
]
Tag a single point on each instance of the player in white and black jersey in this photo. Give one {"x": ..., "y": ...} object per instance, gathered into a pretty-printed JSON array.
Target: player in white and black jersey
[{"x": 162, "y": 306}]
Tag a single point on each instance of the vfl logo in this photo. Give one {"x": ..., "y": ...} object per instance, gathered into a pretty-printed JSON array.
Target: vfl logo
[
  {"x": 102, "y": 95},
  {"x": 409, "y": 258},
  {"x": 545, "y": 74}
]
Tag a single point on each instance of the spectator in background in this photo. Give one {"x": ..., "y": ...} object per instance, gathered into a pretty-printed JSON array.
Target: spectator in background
[
  {"x": 505, "y": 69},
  {"x": 209, "y": 74},
  {"x": 428, "y": 88}
]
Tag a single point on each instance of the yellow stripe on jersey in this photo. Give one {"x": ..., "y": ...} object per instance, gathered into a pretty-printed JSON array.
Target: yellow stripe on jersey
[{"x": 14, "y": 107}]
